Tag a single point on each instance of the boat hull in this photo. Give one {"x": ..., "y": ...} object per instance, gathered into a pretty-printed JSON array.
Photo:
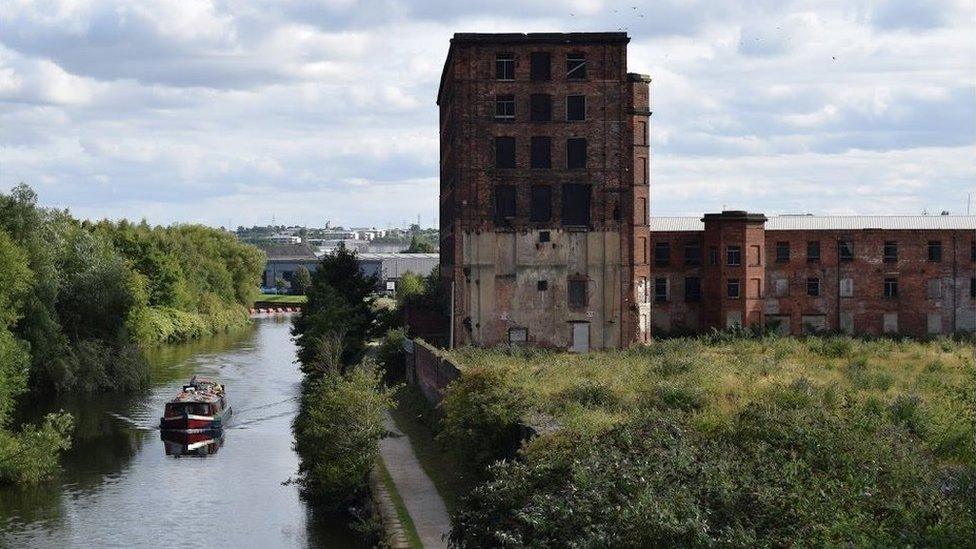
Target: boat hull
[{"x": 192, "y": 423}]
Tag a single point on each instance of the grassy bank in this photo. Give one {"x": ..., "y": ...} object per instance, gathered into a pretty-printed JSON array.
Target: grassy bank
[
  {"x": 718, "y": 441},
  {"x": 281, "y": 298}
]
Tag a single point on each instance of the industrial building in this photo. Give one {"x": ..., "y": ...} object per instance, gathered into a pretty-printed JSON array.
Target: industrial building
[
  {"x": 546, "y": 237},
  {"x": 544, "y": 189}
]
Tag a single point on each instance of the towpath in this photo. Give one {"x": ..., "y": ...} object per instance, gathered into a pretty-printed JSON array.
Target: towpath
[{"x": 419, "y": 495}]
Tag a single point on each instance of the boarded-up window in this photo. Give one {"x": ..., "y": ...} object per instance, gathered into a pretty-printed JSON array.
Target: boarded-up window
[
  {"x": 935, "y": 288},
  {"x": 540, "y": 65},
  {"x": 577, "y": 292},
  {"x": 576, "y": 153},
  {"x": 847, "y": 323},
  {"x": 755, "y": 255},
  {"x": 781, "y": 287},
  {"x": 505, "y": 203},
  {"x": 640, "y": 134},
  {"x": 692, "y": 289},
  {"x": 755, "y": 288},
  {"x": 504, "y": 152},
  {"x": 890, "y": 323},
  {"x": 641, "y": 249},
  {"x": 541, "y": 156},
  {"x": 640, "y": 177},
  {"x": 518, "y": 335},
  {"x": 575, "y": 108},
  {"x": 540, "y": 203},
  {"x": 540, "y": 107},
  {"x": 733, "y": 319},
  {"x": 778, "y": 324},
  {"x": 642, "y": 211},
  {"x": 935, "y": 323},
  {"x": 847, "y": 287},
  {"x": 576, "y": 204},
  {"x": 813, "y": 323}
]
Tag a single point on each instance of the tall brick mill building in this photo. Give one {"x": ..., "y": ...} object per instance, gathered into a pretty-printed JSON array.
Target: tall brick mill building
[{"x": 546, "y": 239}]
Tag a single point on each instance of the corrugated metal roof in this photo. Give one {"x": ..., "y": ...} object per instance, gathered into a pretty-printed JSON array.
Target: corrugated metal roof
[
  {"x": 834, "y": 222},
  {"x": 380, "y": 256}
]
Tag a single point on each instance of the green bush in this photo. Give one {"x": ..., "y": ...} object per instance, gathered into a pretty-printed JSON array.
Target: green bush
[
  {"x": 482, "y": 411},
  {"x": 337, "y": 434},
  {"x": 390, "y": 355}
]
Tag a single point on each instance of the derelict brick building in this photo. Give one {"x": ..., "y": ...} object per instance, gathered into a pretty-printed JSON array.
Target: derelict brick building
[
  {"x": 911, "y": 275},
  {"x": 544, "y": 189}
]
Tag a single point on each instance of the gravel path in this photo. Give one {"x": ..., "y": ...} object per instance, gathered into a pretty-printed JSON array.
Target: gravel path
[{"x": 419, "y": 495}]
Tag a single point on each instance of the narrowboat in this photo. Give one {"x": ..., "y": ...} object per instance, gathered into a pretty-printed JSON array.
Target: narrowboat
[
  {"x": 182, "y": 443},
  {"x": 200, "y": 406}
]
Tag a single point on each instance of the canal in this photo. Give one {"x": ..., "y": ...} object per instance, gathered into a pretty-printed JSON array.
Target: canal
[{"x": 120, "y": 488}]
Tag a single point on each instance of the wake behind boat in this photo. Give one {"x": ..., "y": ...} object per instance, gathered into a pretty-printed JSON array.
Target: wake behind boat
[{"x": 200, "y": 406}]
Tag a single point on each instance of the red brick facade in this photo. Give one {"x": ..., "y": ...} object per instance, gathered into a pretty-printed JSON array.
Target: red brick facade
[
  {"x": 550, "y": 241},
  {"x": 913, "y": 275}
]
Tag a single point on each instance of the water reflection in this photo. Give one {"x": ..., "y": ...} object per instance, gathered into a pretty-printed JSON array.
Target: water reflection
[
  {"x": 202, "y": 444},
  {"x": 122, "y": 487}
]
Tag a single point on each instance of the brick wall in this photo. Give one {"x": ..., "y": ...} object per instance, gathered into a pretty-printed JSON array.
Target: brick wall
[{"x": 428, "y": 370}]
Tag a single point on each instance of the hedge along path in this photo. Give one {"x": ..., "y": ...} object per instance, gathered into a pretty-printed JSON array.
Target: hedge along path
[{"x": 420, "y": 497}]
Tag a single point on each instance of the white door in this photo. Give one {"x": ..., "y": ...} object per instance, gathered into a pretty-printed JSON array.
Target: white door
[{"x": 581, "y": 337}]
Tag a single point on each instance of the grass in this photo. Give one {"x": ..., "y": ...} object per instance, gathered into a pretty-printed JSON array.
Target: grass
[
  {"x": 281, "y": 298},
  {"x": 412, "y": 416},
  {"x": 408, "y": 526},
  {"x": 716, "y": 377}
]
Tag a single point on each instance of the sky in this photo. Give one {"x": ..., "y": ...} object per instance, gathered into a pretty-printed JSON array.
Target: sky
[{"x": 233, "y": 112}]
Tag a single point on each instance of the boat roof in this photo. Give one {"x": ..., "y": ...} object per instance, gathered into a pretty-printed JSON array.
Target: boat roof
[{"x": 196, "y": 396}]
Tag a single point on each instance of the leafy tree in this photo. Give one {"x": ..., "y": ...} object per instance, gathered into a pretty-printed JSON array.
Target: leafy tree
[
  {"x": 410, "y": 284},
  {"x": 419, "y": 246},
  {"x": 303, "y": 280},
  {"x": 339, "y": 302},
  {"x": 280, "y": 285}
]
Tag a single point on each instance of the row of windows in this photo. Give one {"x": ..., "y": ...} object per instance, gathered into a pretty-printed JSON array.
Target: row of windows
[
  {"x": 540, "y": 66},
  {"x": 540, "y": 107},
  {"x": 575, "y": 203},
  {"x": 733, "y": 288},
  {"x": 733, "y": 254},
  {"x": 540, "y": 152}
]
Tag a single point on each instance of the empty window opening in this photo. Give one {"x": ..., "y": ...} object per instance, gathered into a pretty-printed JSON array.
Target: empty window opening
[
  {"x": 692, "y": 289},
  {"x": 782, "y": 252},
  {"x": 575, "y": 66},
  {"x": 662, "y": 254},
  {"x": 713, "y": 255},
  {"x": 576, "y": 153},
  {"x": 891, "y": 251},
  {"x": 504, "y": 152},
  {"x": 845, "y": 250},
  {"x": 660, "y": 289},
  {"x": 813, "y": 251},
  {"x": 576, "y": 108},
  {"x": 577, "y": 292},
  {"x": 576, "y": 204},
  {"x": 935, "y": 250},
  {"x": 505, "y": 203},
  {"x": 813, "y": 287},
  {"x": 505, "y": 66},
  {"x": 692, "y": 254},
  {"x": 540, "y": 62},
  {"x": 505, "y": 107},
  {"x": 732, "y": 288},
  {"x": 541, "y": 153},
  {"x": 542, "y": 285},
  {"x": 544, "y": 237},
  {"x": 540, "y": 107},
  {"x": 540, "y": 207}
]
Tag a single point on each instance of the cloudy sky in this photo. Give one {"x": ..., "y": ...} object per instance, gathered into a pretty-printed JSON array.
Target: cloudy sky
[{"x": 234, "y": 111}]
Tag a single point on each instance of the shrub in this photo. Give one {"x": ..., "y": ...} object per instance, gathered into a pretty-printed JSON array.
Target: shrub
[
  {"x": 482, "y": 410},
  {"x": 390, "y": 354},
  {"x": 337, "y": 434}
]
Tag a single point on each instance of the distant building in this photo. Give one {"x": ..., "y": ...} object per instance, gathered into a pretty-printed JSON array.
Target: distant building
[
  {"x": 389, "y": 267},
  {"x": 284, "y": 260},
  {"x": 283, "y": 238}
]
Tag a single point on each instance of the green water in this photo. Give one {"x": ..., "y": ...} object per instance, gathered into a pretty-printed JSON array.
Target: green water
[{"x": 119, "y": 488}]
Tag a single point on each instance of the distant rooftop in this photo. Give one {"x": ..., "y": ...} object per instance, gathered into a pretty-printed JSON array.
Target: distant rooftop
[
  {"x": 834, "y": 222},
  {"x": 282, "y": 252}
]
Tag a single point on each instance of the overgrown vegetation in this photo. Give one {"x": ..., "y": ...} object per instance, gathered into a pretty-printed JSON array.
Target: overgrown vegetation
[
  {"x": 719, "y": 440},
  {"x": 79, "y": 300},
  {"x": 341, "y": 418}
]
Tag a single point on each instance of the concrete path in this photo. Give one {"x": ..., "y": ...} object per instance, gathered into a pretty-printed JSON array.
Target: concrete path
[{"x": 419, "y": 495}]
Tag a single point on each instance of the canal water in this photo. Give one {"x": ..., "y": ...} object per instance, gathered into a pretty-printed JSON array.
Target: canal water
[{"x": 120, "y": 487}]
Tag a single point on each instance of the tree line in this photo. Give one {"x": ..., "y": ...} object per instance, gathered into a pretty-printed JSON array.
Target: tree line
[{"x": 79, "y": 300}]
